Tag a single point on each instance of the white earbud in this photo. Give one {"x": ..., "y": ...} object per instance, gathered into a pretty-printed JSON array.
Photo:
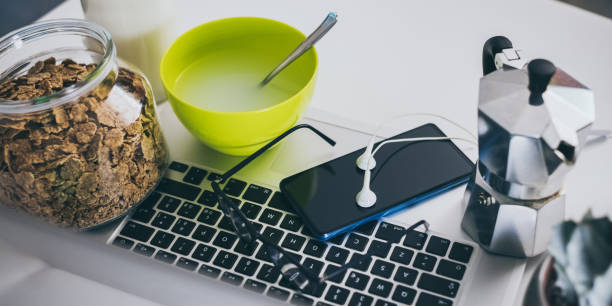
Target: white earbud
[
  {"x": 366, "y": 197},
  {"x": 366, "y": 162},
  {"x": 362, "y": 161}
]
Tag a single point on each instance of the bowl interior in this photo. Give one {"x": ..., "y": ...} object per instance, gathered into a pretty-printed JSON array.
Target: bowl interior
[{"x": 217, "y": 66}]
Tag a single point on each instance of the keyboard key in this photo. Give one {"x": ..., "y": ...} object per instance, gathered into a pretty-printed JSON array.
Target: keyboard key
[
  {"x": 337, "y": 295},
  {"x": 438, "y": 285},
  {"x": 236, "y": 201},
  {"x": 178, "y": 189},
  {"x": 213, "y": 176},
  {"x": 331, "y": 269},
  {"x": 183, "y": 227},
  {"x": 367, "y": 228},
  {"x": 143, "y": 214},
  {"x": 247, "y": 266},
  {"x": 357, "y": 280},
  {"x": 315, "y": 290},
  {"x": 162, "y": 239},
  {"x": 291, "y": 222},
  {"x": 356, "y": 242},
  {"x": 262, "y": 254},
  {"x": 123, "y": 243},
  {"x": 307, "y": 232},
  {"x": 337, "y": 255},
  {"x": 189, "y": 210},
  {"x": 137, "y": 231},
  {"x": 382, "y": 268},
  {"x": 187, "y": 264},
  {"x": 209, "y": 216},
  {"x": 209, "y": 271},
  {"x": 226, "y": 224},
  {"x": 384, "y": 303},
  {"x": 287, "y": 284},
  {"x": 313, "y": 265},
  {"x": 176, "y": 166},
  {"x": 293, "y": 242},
  {"x": 195, "y": 176},
  {"x": 225, "y": 240},
  {"x": 246, "y": 248},
  {"x": 234, "y": 187},
  {"x": 359, "y": 299},
  {"x": 315, "y": 248},
  {"x": 279, "y": 201},
  {"x": 258, "y": 226},
  {"x": 461, "y": 252},
  {"x": 296, "y": 256},
  {"x": 437, "y": 245},
  {"x": 380, "y": 287},
  {"x": 151, "y": 200},
  {"x": 451, "y": 269},
  {"x": 379, "y": 248},
  {"x": 183, "y": 246},
  {"x": 166, "y": 257},
  {"x": 360, "y": 262},
  {"x": 268, "y": 273},
  {"x": 204, "y": 233},
  {"x": 301, "y": 300},
  {"x": 403, "y": 295},
  {"x": 406, "y": 275},
  {"x": 426, "y": 299},
  {"x": 257, "y": 194},
  {"x": 401, "y": 255},
  {"x": 270, "y": 216},
  {"x": 163, "y": 220},
  {"x": 144, "y": 250},
  {"x": 204, "y": 252},
  {"x": 272, "y": 235},
  {"x": 232, "y": 278},
  {"x": 415, "y": 240},
  {"x": 255, "y": 286},
  {"x": 225, "y": 260},
  {"x": 250, "y": 210},
  {"x": 424, "y": 262},
  {"x": 389, "y": 232},
  {"x": 337, "y": 240},
  {"x": 278, "y": 293},
  {"x": 208, "y": 198}
]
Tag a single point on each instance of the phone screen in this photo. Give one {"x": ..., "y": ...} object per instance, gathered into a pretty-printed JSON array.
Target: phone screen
[{"x": 405, "y": 173}]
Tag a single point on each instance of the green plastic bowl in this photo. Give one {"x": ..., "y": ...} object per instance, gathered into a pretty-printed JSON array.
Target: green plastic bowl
[{"x": 230, "y": 49}]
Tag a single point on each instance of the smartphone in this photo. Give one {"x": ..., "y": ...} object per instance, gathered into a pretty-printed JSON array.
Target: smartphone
[{"x": 405, "y": 174}]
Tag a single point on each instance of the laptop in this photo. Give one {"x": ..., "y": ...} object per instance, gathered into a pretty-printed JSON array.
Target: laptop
[{"x": 177, "y": 249}]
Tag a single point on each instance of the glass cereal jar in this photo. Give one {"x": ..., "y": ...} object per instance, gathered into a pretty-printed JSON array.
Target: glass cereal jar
[{"x": 80, "y": 139}]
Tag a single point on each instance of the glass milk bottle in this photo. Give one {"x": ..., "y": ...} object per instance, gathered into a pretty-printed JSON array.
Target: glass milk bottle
[{"x": 141, "y": 30}]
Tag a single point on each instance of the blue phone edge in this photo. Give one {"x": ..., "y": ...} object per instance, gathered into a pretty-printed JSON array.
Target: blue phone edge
[{"x": 395, "y": 208}]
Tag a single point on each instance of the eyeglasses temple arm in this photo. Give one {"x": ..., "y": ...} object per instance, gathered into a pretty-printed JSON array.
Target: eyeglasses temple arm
[
  {"x": 251, "y": 157},
  {"x": 224, "y": 200}
]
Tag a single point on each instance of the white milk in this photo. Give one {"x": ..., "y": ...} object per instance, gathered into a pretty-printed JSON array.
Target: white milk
[{"x": 141, "y": 29}]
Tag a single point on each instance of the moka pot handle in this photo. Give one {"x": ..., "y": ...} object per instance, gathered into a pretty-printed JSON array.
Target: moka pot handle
[{"x": 491, "y": 47}]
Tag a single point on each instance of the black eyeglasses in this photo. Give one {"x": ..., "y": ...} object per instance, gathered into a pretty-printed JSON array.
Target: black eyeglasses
[{"x": 289, "y": 266}]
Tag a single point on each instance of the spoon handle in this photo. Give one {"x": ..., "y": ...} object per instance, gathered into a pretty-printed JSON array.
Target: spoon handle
[{"x": 325, "y": 26}]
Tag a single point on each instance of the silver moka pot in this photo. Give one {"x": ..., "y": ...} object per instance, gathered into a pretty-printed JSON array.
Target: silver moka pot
[{"x": 533, "y": 119}]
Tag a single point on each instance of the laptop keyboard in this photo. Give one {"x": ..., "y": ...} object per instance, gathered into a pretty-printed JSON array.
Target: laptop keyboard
[{"x": 180, "y": 224}]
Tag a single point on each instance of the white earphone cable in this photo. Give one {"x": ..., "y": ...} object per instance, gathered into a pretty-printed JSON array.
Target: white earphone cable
[
  {"x": 387, "y": 122},
  {"x": 420, "y": 139},
  {"x": 367, "y": 198}
]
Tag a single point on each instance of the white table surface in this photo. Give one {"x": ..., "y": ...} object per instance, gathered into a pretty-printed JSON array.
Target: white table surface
[{"x": 390, "y": 57}]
